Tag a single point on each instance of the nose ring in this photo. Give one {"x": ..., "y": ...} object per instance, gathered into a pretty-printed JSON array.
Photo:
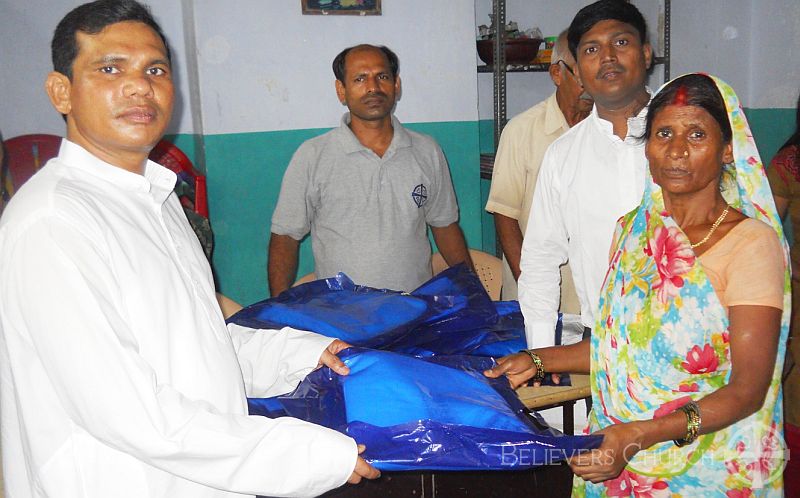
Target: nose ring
[{"x": 686, "y": 153}]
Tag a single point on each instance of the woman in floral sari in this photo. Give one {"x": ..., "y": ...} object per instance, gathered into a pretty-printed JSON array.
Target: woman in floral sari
[{"x": 686, "y": 355}]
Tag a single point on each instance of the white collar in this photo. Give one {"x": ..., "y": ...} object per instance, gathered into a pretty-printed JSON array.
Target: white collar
[
  {"x": 157, "y": 180},
  {"x": 636, "y": 124}
]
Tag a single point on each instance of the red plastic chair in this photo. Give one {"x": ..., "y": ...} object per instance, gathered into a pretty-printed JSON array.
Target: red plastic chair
[
  {"x": 25, "y": 154},
  {"x": 168, "y": 155}
]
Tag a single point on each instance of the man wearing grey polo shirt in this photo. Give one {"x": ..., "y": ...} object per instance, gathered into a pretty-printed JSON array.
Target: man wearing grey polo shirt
[{"x": 367, "y": 190}]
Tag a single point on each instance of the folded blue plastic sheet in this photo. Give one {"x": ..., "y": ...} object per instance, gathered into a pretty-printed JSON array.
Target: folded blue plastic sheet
[
  {"x": 509, "y": 332},
  {"x": 457, "y": 301},
  {"x": 506, "y": 335},
  {"x": 336, "y": 307},
  {"x": 449, "y": 314},
  {"x": 438, "y": 413}
]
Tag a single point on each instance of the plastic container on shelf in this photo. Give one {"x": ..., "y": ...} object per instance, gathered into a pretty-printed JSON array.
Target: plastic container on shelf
[{"x": 544, "y": 56}]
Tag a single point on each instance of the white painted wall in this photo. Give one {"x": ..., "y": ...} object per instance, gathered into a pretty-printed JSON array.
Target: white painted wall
[
  {"x": 265, "y": 66},
  {"x": 721, "y": 38},
  {"x": 751, "y": 44},
  {"x": 754, "y": 45},
  {"x": 26, "y": 28},
  {"x": 774, "y": 77},
  {"x": 25, "y": 40}
]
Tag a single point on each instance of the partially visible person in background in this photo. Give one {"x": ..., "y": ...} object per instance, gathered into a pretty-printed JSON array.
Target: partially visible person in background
[
  {"x": 515, "y": 174},
  {"x": 3, "y": 176},
  {"x": 784, "y": 178}
]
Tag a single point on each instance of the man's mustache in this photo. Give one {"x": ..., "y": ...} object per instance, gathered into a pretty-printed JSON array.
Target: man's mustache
[
  {"x": 372, "y": 95},
  {"x": 609, "y": 68}
]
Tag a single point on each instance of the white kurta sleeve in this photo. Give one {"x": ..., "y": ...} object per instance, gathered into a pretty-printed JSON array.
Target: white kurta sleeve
[
  {"x": 62, "y": 307},
  {"x": 274, "y": 361},
  {"x": 544, "y": 250}
]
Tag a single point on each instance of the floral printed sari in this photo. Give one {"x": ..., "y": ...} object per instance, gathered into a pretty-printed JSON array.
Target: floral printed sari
[{"x": 661, "y": 339}]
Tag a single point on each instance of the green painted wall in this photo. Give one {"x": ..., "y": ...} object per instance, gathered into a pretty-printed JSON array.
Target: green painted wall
[
  {"x": 771, "y": 128},
  {"x": 486, "y": 135},
  {"x": 486, "y": 141}
]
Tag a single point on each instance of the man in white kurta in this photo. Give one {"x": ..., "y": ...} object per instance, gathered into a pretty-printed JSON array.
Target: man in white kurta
[
  {"x": 118, "y": 375},
  {"x": 589, "y": 178},
  {"x": 591, "y": 175}
]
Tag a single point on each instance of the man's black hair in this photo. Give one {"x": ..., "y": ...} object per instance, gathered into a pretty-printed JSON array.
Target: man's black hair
[
  {"x": 91, "y": 18},
  {"x": 338, "y": 62},
  {"x": 604, "y": 10},
  {"x": 697, "y": 90}
]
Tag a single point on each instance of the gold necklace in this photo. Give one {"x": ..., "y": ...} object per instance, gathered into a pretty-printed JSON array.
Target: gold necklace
[{"x": 713, "y": 227}]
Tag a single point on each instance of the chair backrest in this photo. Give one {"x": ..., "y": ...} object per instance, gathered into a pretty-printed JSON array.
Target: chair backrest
[
  {"x": 168, "y": 155},
  {"x": 488, "y": 267},
  {"x": 305, "y": 278},
  {"x": 25, "y": 154},
  {"x": 228, "y": 306}
]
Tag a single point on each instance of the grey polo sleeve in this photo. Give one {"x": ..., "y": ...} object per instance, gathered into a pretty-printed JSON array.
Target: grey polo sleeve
[
  {"x": 294, "y": 212},
  {"x": 442, "y": 208}
]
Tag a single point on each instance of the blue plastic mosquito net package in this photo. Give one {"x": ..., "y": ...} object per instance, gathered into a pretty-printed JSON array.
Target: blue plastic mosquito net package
[{"x": 438, "y": 413}]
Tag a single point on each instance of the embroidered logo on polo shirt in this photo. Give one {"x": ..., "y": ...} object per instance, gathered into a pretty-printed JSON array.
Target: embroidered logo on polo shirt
[{"x": 420, "y": 195}]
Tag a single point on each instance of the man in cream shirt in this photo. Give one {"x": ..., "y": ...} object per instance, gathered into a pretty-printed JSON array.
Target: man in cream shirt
[{"x": 516, "y": 167}]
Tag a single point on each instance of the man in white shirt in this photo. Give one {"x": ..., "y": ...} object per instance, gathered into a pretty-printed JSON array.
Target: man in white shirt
[
  {"x": 591, "y": 175},
  {"x": 118, "y": 375},
  {"x": 516, "y": 167}
]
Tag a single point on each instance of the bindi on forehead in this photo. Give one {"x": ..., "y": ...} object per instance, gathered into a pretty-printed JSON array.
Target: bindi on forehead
[{"x": 681, "y": 97}]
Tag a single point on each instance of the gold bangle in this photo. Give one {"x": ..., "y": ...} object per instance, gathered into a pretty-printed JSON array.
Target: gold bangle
[
  {"x": 537, "y": 362},
  {"x": 693, "y": 422}
]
